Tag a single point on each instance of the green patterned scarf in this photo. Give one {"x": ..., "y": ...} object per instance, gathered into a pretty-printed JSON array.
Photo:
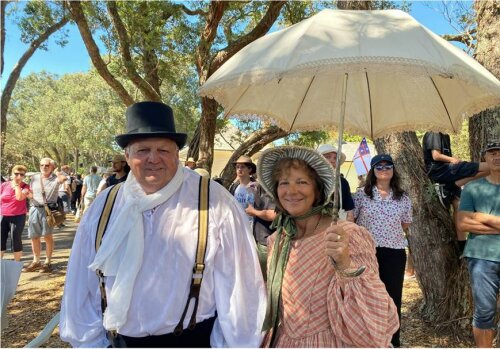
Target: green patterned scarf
[{"x": 284, "y": 224}]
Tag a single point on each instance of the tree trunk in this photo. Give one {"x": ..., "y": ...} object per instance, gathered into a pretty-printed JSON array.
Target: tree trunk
[
  {"x": 194, "y": 145},
  {"x": 354, "y": 5},
  {"x": 486, "y": 125},
  {"x": 256, "y": 142},
  {"x": 207, "y": 133},
  {"x": 3, "y": 5},
  {"x": 207, "y": 64},
  {"x": 442, "y": 276}
]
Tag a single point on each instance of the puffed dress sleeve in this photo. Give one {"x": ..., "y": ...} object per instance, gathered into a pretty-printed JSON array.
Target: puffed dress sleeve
[
  {"x": 361, "y": 312},
  {"x": 81, "y": 317}
]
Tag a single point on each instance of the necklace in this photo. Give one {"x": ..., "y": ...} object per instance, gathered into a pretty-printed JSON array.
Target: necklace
[{"x": 313, "y": 231}]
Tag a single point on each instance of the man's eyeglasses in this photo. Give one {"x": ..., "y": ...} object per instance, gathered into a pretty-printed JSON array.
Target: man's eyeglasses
[
  {"x": 384, "y": 167},
  {"x": 44, "y": 165},
  {"x": 19, "y": 174}
]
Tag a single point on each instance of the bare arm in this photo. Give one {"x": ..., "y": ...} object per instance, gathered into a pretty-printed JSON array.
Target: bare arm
[
  {"x": 350, "y": 216},
  {"x": 267, "y": 215},
  {"x": 438, "y": 156},
  {"x": 20, "y": 194},
  {"x": 61, "y": 178},
  {"x": 466, "y": 221},
  {"x": 84, "y": 190},
  {"x": 487, "y": 219}
]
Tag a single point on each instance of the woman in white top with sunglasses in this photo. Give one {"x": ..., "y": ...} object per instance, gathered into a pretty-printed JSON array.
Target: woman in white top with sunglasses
[{"x": 385, "y": 210}]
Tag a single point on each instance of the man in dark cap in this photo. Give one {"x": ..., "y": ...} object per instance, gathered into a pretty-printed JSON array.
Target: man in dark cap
[
  {"x": 479, "y": 214},
  {"x": 148, "y": 250}
]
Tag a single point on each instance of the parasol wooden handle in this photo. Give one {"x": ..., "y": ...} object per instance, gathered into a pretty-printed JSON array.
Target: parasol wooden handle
[
  {"x": 347, "y": 272},
  {"x": 350, "y": 273}
]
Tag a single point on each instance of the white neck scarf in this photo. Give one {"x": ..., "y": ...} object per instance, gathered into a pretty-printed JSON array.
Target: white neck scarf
[{"x": 125, "y": 242}]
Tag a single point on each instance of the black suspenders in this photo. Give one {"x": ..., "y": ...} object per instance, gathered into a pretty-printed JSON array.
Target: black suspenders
[{"x": 199, "y": 266}]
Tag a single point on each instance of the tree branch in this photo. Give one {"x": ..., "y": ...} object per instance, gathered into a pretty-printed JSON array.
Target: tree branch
[
  {"x": 2, "y": 29},
  {"x": 124, "y": 44},
  {"x": 101, "y": 67},
  {"x": 260, "y": 30},
  {"x": 16, "y": 72},
  {"x": 464, "y": 38},
  {"x": 192, "y": 12},
  {"x": 149, "y": 58},
  {"x": 254, "y": 143},
  {"x": 215, "y": 12}
]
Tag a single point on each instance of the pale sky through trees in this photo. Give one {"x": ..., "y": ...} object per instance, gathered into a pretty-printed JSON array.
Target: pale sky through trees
[{"x": 74, "y": 57}]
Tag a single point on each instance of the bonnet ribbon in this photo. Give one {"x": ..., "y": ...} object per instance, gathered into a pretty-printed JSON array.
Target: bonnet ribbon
[{"x": 285, "y": 225}]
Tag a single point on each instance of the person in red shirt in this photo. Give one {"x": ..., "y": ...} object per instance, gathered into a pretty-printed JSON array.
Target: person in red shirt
[{"x": 13, "y": 202}]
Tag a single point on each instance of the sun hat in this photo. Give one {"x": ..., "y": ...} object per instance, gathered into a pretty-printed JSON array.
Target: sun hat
[
  {"x": 190, "y": 159},
  {"x": 381, "y": 157},
  {"x": 247, "y": 160},
  {"x": 118, "y": 158},
  {"x": 494, "y": 144},
  {"x": 327, "y": 148},
  {"x": 150, "y": 119},
  {"x": 270, "y": 158}
]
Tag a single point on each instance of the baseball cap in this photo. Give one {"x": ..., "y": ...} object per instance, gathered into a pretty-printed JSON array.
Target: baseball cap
[
  {"x": 495, "y": 144},
  {"x": 381, "y": 157}
]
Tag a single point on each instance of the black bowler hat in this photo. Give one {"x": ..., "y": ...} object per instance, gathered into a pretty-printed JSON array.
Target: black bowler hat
[{"x": 150, "y": 119}]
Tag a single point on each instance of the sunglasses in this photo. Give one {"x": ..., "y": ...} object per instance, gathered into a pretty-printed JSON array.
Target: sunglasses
[
  {"x": 384, "y": 167},
  {"x": 19, "y": 174},
  {"x": 44, "y": 165}
]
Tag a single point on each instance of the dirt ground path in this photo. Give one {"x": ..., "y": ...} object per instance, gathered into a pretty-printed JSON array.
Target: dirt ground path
[
  {"x": 38, "y": 295},
  {"x": 38, "y": 299}
]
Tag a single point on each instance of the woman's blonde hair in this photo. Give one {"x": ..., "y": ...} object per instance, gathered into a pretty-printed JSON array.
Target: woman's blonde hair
[{"x": 19, "y": 168}]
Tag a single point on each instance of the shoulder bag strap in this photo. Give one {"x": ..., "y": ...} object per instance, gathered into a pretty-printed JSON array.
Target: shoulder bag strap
[
  {"x": 43, "y": 191},
  {"x": 48, "y": 212},
  {"x": 199, "y": 266},
  {"x": 101, "y": 229}
]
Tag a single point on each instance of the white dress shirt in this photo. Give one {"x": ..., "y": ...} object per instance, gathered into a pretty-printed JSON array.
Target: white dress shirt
[{"x": 232, "y": 281}]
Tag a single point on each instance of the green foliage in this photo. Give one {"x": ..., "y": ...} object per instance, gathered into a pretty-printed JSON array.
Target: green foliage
[
  {"x": 52, "y": 116},
  {"x": 307, "y": 139},
  {"x": 37, "y": 17},
  {"x": 296, "y": 11},
  {"x": 460, "y": 142},
  {"x": 388, "y": 5}
]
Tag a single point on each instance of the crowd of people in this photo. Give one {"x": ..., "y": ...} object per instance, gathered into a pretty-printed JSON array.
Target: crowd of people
[
  {"x": 258, "y": 264},
  {"x": 26, "y": 200}
]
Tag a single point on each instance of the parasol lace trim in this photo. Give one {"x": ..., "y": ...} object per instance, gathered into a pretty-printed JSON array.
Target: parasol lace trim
[
  {"x": 391, "y": 65},
  {"x": 416, "y": 125}
]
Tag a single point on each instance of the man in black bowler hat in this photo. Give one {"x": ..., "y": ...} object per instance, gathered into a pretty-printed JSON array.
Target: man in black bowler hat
[{"x": 148, "y": 258}]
